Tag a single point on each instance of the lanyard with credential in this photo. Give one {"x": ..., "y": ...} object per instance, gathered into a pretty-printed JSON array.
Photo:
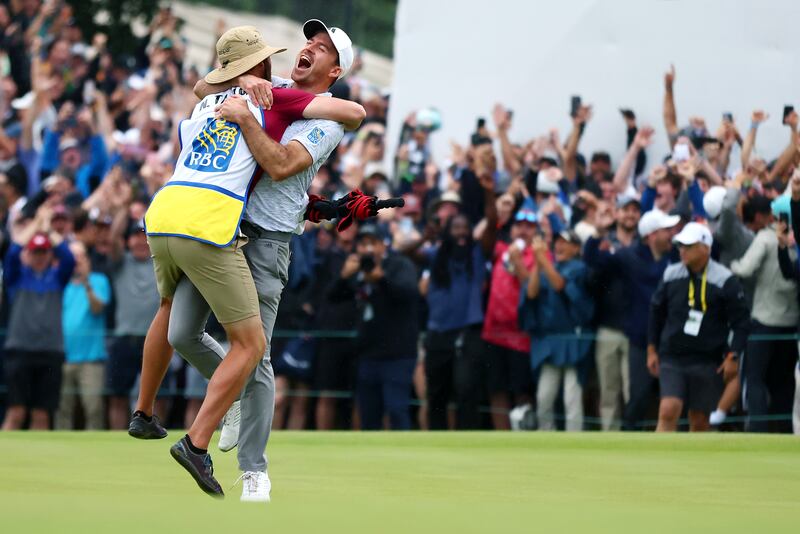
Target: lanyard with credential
[{"x": 703, "y": 281}]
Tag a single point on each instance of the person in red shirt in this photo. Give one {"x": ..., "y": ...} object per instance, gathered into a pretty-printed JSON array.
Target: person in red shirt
[
  {"x": 180, "y": 323},
  {"x": 509, "y": 347}
]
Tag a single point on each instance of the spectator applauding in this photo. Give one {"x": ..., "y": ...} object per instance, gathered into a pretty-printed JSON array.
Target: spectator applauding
[
  {"x": 85, "y": 299},
  {"x": 509, "y": 346},
  {"x": 640, "y": 267},
  {"x": 453, "y": 294},
  {"x": 557, "y": 308},
  {"x": 37, "y": 269},
  {"x": 612, "y": 348}
]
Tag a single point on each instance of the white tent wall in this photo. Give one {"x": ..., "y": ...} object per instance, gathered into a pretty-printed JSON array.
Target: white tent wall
[{"x": 461, "y": 57}]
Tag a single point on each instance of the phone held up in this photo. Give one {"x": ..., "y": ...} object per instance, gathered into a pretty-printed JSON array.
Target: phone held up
[
  {"x": 787, "y": 110},
  {"x": 784, "y": 218},
  {"x": 574, "y": 106}
]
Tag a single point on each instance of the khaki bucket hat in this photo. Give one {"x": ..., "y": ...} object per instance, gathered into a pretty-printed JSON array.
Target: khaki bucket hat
[{"x": 239, "y": 50}]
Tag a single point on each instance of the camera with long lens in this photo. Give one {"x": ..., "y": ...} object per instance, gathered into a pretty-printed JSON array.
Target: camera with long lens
[{"x": 367, "y": 264}]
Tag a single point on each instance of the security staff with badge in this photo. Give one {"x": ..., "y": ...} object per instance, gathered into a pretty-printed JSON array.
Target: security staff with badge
[{"x": 696, "y": 306}]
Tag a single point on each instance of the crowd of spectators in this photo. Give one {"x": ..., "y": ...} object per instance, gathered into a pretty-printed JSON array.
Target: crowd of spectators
[{"x": 524, "y": 283}]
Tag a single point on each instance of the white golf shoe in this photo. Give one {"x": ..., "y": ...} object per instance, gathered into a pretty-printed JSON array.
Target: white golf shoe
[
  {"x": 229, "y": 436},
  {"x": 256, "y": 486},
  {"x": 717, "y": 417}
]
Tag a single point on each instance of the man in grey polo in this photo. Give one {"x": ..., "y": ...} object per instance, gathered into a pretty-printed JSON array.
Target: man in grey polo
[{"x": 274, "y": 213}]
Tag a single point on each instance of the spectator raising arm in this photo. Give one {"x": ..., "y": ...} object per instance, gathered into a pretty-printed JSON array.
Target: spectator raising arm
[
  {"x": 40, "y": 102},
  {"x": 502, "y": 121},
  {"x": 727, "y": 135},
  {"x": 579, "y": 121},
  {"x": 753, "y": 259},
  {"x": 105, "y": 123},
  {"x": 756, "y": 119},
  {"x": 548, "y": 269},
  {"x": 485, "y": 168},
  {"x": 66, "y": 261},
  {"x": 119, "y": 196},
  {"x": 789, "y": 154},
  {"x": 96, "y": 304},
  {"x": 670, "y": 115},
  {"x": 39, "y": 224},
  {"x": 534, "y": 281},
  {"x": 632, "y": 130},
  {"x": 596, "y": 255},
  {"x": 622, "y": 178},
  {"x": 554, "y": 142}
]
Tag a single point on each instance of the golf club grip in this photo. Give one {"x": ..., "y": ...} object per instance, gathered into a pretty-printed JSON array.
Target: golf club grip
[{"x": 390, "y": 203}]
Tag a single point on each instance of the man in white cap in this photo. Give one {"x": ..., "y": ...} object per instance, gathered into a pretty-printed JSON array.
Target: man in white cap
[
  {"x": 640, "y": 267},
  {"x": 696, "y": 305},
  {"x": 729, "y": 231},
  {"x": 194, "y": 217},
  {"x": 326, "y": 58},
  {"x": 273, "y": 214}
]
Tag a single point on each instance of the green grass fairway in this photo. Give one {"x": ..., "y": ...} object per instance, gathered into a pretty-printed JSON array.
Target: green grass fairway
[{"x": 417, "y": 482}]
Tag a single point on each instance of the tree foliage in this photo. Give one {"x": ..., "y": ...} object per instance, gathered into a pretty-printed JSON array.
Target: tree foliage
[
  {"x": 370, "y": 23},
  {"x": 118, "y": 23}
]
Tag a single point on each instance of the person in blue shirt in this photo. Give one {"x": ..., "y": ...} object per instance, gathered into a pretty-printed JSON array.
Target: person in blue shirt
[
  {"x": 454, "y": 293},
  {"x": 84, "y": 323},
  {"x": 74, "y": 147},
  {"x": 640, "y": 267},
  {"x": 556, "y": 309},
  {"x": 37, "y": 268}
]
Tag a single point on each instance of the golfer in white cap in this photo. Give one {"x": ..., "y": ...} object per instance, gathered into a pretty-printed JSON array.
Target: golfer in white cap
[
  {"x": 269, "y": 227},
  {"x": 274, "y": 213}
]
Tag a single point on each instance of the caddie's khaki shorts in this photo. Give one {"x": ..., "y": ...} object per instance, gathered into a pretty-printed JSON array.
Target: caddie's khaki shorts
[{"x": 220, "y": 274}]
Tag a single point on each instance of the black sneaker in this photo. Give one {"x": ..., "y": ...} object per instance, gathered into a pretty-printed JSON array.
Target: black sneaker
[
  {"x": 199, "y": 466},
  {"x": 141, "y": 428}
]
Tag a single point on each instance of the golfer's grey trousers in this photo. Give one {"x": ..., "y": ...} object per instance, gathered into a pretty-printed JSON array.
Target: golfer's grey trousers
[{"x": 268, "y": 258}]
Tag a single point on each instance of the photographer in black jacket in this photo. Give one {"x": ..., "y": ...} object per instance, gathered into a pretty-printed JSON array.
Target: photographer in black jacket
[
  {"x": 696, "y": 305},
  {"x": 385, "y": 286}
]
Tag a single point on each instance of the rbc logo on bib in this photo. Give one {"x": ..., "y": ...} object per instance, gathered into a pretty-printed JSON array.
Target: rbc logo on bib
[{"x": 213, "y": 147}]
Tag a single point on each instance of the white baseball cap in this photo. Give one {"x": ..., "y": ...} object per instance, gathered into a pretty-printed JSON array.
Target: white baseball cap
[
  {"x": 712, "y": 201},
  {"x": 545, "y": 184},
  {"x": 342, "y": 42},
  {"x": 692, "y": 234},
  {"x": 656, "y": 220}
]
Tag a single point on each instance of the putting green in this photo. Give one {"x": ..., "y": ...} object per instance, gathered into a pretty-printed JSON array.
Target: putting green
[{"x": 412, "y": 482}]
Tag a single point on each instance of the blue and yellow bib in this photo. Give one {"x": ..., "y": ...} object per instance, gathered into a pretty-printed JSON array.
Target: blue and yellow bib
[{"x": 206, "y": 195}]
